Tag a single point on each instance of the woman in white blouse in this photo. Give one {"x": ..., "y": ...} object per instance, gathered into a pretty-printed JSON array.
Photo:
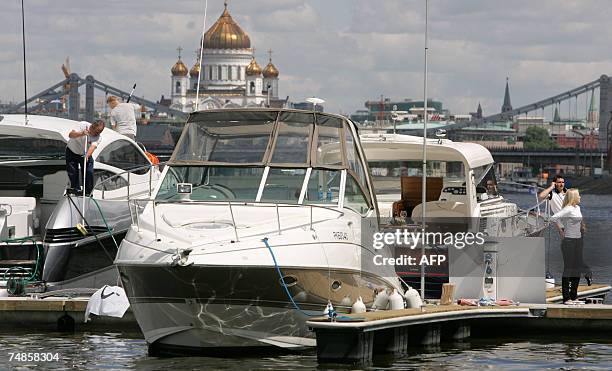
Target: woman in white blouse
[{"x": 570, "y": 217}]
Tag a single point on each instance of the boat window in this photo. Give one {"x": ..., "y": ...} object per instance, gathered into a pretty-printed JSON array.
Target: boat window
[
  {"x": 323, "y": 187},
  {"x": 213, "y": 183},
  {"x": 242, "y": 137},
  {"x": 293, "y": 138},
  {"x": 17, "y": 147},
  {"x": 167, "y": 188},
  {"x": 481, "y": 172},
  {"x": 353, "y": 196},
  {"x": 328, "y": 141},
  {"x": 352, "y": 156},
  {"x": 486, "y": 181},
  {"x": 386, "y": 174},
  {"x": 124, "y": 155},
  {"x": 283, "y": 185},
  {"x": 107, "y": 181}
]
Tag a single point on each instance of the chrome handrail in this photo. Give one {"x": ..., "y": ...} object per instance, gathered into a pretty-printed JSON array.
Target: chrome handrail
[
  {"x": 230, "y": 205},
  {"x": 101, "y": 185}
]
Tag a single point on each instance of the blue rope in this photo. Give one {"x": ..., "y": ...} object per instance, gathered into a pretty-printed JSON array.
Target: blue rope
[{"x": 265, "y": 241}]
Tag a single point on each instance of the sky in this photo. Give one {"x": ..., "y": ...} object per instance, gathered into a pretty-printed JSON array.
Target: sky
[{"x": 343, "y": 51}]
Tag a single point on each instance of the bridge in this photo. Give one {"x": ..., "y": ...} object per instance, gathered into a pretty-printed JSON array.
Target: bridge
[
  {"x": 70, "y": 87},
  {"x": 541, "y": 159},
  {"x": 603, "y": 85}
]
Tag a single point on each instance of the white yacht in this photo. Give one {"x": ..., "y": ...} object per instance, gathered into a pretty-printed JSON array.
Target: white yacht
[
  {"x": 32, "y": 189},
  {"x": 461, "y": 183},
  {"x": 261, "y": 219},
  {"x": 461, "y": 194}
]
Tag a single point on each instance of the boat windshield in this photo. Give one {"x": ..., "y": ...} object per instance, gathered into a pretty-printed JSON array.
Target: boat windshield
[
  {"x": 265, "y": 156},
  {"x": 387, "y": 174},
  {"x": 255, "y": 184}
]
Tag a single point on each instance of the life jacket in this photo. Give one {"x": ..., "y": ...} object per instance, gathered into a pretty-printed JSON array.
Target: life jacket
[{"x": 154, "y": 159}]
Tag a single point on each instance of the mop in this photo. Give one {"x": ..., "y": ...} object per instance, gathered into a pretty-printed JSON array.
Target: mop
[{"x": 81, "y": 226}]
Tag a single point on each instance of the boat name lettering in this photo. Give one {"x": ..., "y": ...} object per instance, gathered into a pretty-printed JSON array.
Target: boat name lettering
[{"x": 343, "y": 236}]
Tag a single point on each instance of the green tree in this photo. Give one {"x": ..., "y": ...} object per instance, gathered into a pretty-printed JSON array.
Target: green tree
[{"x": 538, "y": 138}]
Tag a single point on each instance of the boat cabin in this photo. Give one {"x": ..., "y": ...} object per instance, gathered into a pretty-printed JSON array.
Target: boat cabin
[
  {"x": 460, "y": 176},
  {"x": 270, "y": 155}
]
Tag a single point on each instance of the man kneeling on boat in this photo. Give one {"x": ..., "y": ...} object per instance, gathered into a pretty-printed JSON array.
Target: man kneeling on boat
[{"x": 79, "y": 138}]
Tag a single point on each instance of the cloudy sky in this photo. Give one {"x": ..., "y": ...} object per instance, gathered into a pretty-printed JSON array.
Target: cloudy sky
[{"x": 344, "y": 51}]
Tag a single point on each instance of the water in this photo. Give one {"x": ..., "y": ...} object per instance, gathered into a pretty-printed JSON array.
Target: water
[
  {"x": 112, "y": 351},
  {"x": 129, "y": 351}
]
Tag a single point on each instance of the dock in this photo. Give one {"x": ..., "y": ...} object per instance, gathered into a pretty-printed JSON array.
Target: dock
[
  {"x": 357, "y": 337},
  {"x": 593, "y": 291},
  {"x": 57, "y": 314}
]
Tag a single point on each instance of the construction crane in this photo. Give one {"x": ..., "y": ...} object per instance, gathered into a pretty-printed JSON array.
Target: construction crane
[{"x": 66, "y": 71}]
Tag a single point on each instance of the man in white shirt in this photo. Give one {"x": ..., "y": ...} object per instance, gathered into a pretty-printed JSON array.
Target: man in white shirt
[
  {"x": 123, "y": 116},
  {"x": 555, "y": 194},
  {"x": 85, "y": 134}
]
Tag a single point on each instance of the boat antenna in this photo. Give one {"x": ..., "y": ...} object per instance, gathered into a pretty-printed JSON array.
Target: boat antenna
[
  {"x": 424, "y": 175},
  {"x": 197, "y": 102},
  {"x": 25, "y": 79}
]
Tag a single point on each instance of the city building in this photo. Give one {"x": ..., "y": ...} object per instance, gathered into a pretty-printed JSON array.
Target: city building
[
  {"x": 387, "y": 110},
  {"x": 228, "y": 73}
]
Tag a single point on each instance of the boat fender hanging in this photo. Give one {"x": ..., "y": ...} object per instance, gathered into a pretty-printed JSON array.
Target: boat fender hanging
[
  {"x": 381, "y": 300},
  {"x": 329, "y": 310},
  {"x": 346, "y": 301},
  {"x": 413, "y": 299},
  {"x": 358, "y": 306},
  {"x": 396, "y": 301}
]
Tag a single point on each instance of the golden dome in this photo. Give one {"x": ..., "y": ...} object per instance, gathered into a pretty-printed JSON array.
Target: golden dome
[
  {"x": 270, "y": 70},
  {"x": 179, "y": 69},
  {"x": 253, "y": 68},
  {"x": 195, "y": 70},
  {"x": 226, "y": 34}
]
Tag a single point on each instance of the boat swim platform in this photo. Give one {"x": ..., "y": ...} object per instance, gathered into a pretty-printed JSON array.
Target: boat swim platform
[
  {"x": 54, "y": 313},
  {"x": 357, "y": 337}
]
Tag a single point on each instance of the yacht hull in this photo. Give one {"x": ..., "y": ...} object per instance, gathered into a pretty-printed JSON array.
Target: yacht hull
[{"x": 196, "y": 309}]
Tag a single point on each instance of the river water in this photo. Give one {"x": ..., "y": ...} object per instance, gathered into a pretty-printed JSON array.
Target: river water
[{"x": 129, "y": 351}]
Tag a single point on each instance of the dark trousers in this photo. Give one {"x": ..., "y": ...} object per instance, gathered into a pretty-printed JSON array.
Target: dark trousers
[
  {"x": 74, "y": 168},
  {"x": 573, "y": 267},
  {"x": 569, "y": 288}
]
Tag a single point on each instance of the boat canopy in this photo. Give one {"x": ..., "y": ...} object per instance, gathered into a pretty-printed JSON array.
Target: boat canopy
[
  {"x": 386, "y": 147},
  {"x": 269, "y": 137}
]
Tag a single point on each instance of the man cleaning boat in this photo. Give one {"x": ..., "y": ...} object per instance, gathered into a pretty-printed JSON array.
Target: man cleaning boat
[
  {"x": 79, "y": 138},
  {"x": 123, "y": 116}
]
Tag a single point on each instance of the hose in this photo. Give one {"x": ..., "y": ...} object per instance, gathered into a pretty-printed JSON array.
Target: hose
[
  {"x": 15, "y": 286},
  {"x": 280, "y": 275},
  {"x": 95, "y": 235},
  {"x": 105, "y": 223}
]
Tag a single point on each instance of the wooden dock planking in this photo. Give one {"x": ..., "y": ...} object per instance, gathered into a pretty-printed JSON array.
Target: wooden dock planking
[
  {"x": 584, "y": 291},
  {"x": 391, "y": 314},
  {"x": 583, "y": 312},
  {"x": 45, "y": 305}
]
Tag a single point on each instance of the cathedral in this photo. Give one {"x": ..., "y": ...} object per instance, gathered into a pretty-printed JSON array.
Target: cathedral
[{"x": 230, "y": 77}]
